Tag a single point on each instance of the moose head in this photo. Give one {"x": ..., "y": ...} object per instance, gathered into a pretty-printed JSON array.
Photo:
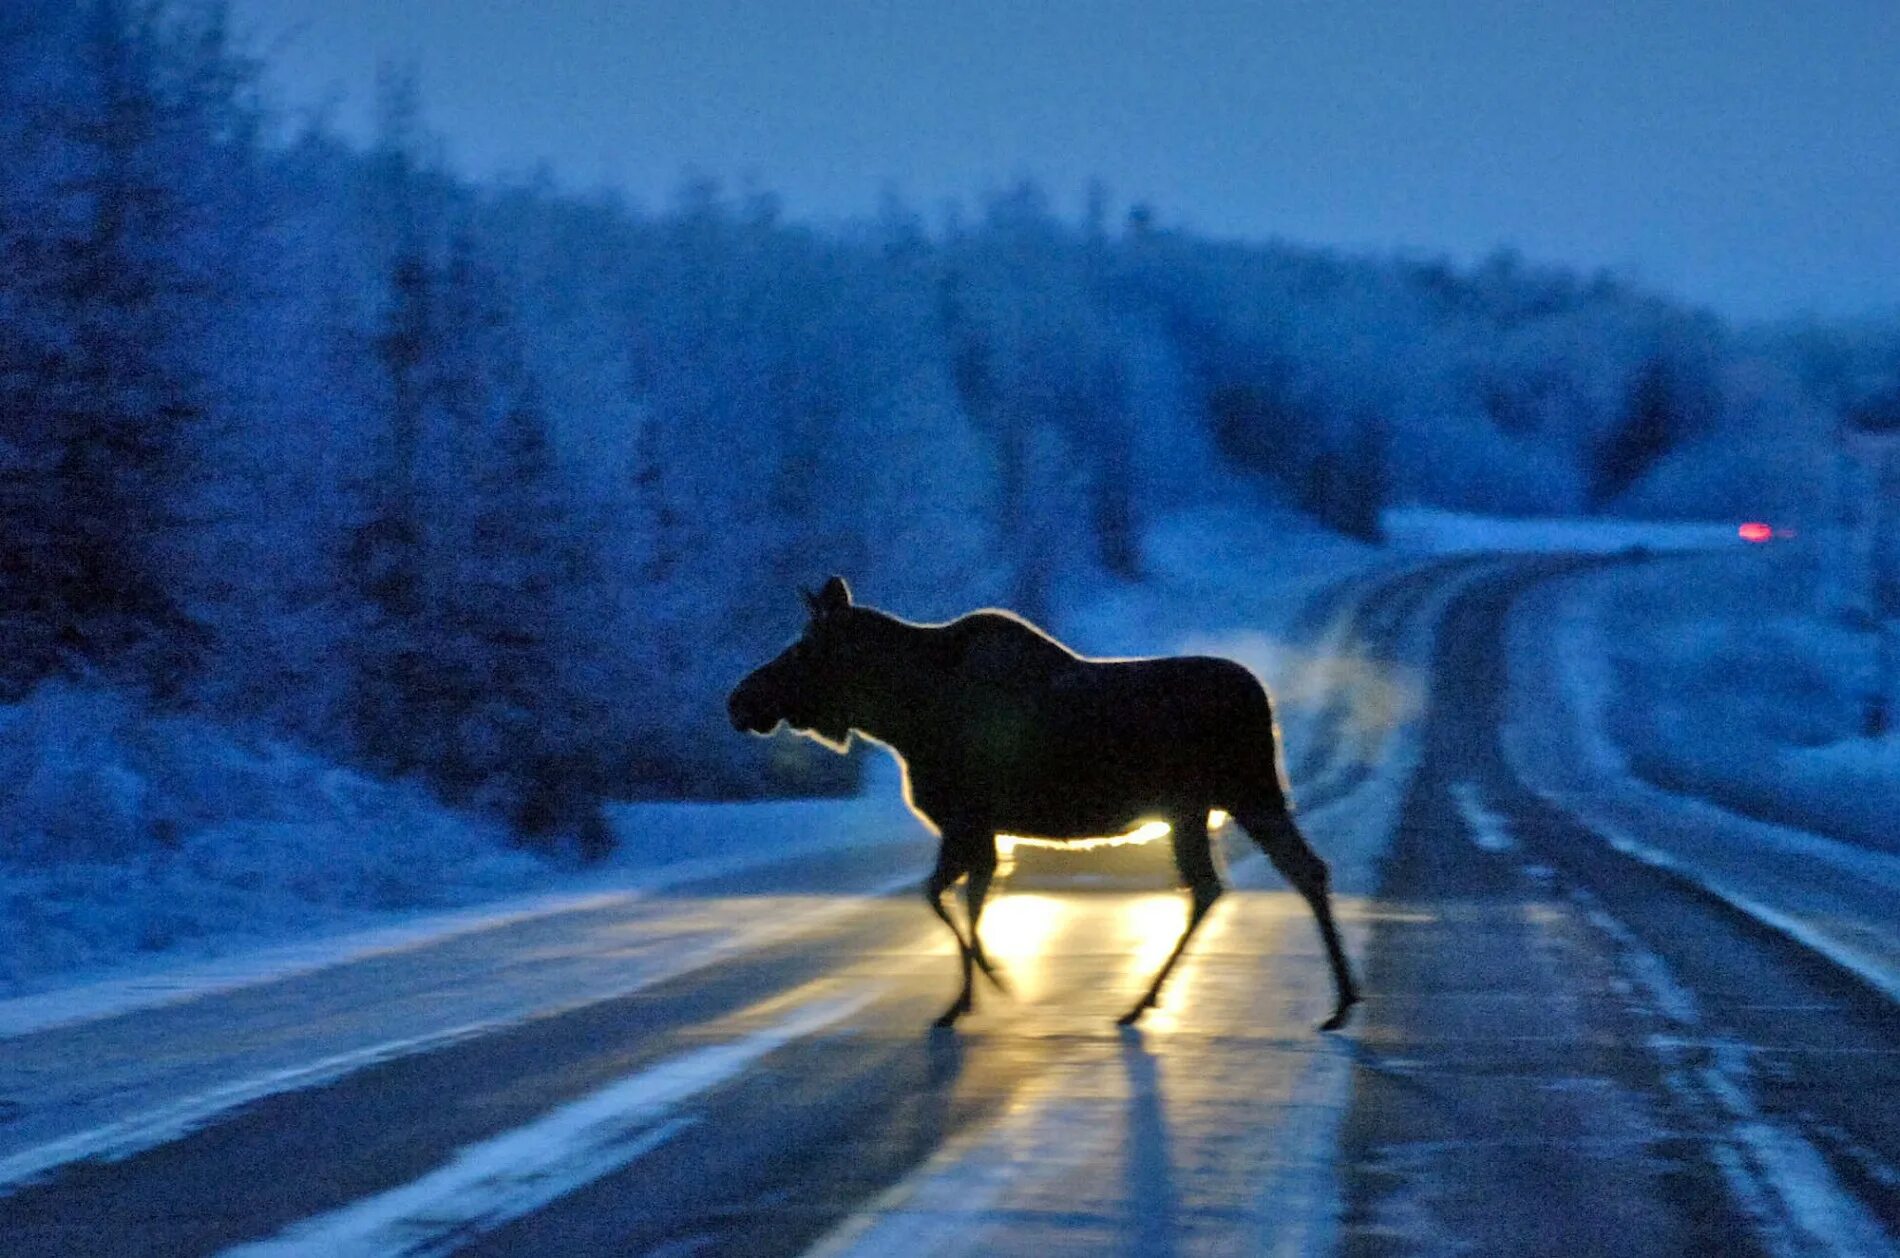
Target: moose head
[{"x": 812, "y": 685}]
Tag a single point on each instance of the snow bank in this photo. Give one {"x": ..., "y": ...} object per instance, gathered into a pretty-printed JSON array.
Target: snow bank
[
  {"x": 146, "y": 857},
  {"x": 1216, "y": 569},
  {"x": 1816, "y": 871},
  {"x": 1722, "y": 680},
  {"x": 1453, "y": 532},
  {"x": 653, "y": 836},
  {"x": 125, "y": 833}
]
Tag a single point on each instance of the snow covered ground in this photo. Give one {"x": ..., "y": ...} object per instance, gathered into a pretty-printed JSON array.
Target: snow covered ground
[
  {"x": 1726, "y": 680},
  {"x": 131, "y": 835},
  {"x": 149, "y": 855},
  {"x": 1452, "y": 532},
  {"x": 1591, "y": 692}
]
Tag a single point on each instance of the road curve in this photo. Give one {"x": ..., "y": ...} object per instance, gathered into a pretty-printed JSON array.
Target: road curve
[{"x": 1563, "y": 1050}]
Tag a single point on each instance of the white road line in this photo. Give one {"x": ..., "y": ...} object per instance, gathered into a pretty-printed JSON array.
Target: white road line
[
  {"x": 941, "y": 1208},
  {"x": 954, "y": 1202},
  {"x": 1868, "y": 971},
  {"x": 1298, "y": 1209},
  {"x": 124, "y": 1137},
  {"x": 111, "y": 997},
  {"x": 112, "y": 1141},
  {"x": 1780, "y": 1179},
  {"x": 513, "y": 1174},
  {"x": 1487, "y": 829}
]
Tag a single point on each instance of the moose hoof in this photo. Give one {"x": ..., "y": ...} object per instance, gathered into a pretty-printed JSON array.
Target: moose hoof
[
  {"x": 1341, "y": 1015},
  {"x": 1134, "y": 1015},
  {"x": 949, "y": 1016}
]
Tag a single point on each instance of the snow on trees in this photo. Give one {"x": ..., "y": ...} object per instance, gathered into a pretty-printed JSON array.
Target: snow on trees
[{"x": 481, "y": 484}]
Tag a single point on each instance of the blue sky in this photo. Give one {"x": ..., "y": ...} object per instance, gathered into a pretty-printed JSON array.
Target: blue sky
[{"x": 1745, "y": 154}]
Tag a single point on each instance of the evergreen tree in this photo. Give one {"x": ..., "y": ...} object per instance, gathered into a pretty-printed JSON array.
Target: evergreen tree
[
  {"x": 1642, "y": 435},
  {"x": 385, "y": 558},
  {"x": 105, "y": 397}
]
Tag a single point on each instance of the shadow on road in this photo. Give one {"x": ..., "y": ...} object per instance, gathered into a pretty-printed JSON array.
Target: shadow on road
[{"x": 1152, "y": 1199}]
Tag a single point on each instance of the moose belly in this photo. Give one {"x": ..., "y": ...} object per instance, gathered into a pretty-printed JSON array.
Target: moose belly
[
  {"x": 1080, "y": 792},
  {"x": 1116, "y": 745},
  {"x": 1077, "y": 819}
]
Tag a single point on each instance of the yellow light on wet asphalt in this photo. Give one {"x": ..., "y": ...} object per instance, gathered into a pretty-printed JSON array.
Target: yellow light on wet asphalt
[
  {"x": 1025, "y": 933},
  {"x": 1016, "y": 929},
  {"x": 1151, "y": 924}
]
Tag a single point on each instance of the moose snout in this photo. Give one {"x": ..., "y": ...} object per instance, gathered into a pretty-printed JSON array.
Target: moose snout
[{"x": 743, "y": 707}]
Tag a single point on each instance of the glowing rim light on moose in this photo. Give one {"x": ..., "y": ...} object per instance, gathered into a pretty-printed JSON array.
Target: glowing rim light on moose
[{"x": 1146, "y": 832}]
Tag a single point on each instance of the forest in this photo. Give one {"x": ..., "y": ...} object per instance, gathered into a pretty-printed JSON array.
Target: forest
[{"x": 497, "y": 486}]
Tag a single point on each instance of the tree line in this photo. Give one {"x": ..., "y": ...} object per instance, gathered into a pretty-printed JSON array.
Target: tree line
[{"x": 498, "y": 486}]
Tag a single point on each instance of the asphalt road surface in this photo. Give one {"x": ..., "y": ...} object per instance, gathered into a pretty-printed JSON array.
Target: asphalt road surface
[{"x": 1563, "y": 1049}]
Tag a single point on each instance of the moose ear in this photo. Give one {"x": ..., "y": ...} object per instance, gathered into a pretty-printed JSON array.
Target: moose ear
[{"x": 835, "y": 597}]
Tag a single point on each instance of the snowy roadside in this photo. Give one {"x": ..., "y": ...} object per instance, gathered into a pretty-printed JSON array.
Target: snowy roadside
[
  {"x": 269, "y": 862},
  {"x": 149, "y": 858},
  {"x": 1449, "y": 532},
  {"x": 1728, "y": 682},
  {"x": 754, "y": 834},
  {"x": 1834, "y": 897}
]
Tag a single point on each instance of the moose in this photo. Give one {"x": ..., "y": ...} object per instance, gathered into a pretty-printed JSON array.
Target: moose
[{"x": 1000, "y": 728}]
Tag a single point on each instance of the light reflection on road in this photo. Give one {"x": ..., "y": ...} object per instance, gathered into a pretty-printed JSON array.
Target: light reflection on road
[
  {"x": 1035, "y": 938},
  {"x": 1016, "y": 932},
  {"x": 1152, "y": 924}
]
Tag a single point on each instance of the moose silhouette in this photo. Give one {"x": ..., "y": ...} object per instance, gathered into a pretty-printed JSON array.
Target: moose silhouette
[{"x": 1002, "y": 729}]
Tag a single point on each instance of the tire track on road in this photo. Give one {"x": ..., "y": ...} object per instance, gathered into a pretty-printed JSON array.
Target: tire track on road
[
  {"x": 1743, "y": 1062},
  {"x": 282, "y": 1156}
]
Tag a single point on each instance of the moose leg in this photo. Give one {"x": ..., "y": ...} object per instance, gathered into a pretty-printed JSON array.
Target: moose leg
[
  {"x": 982, "y": 870},
  {"x": 1271, "y": 826},
  {"x": 1195, "y": 859},
  {"x": 949, "y": 868}
]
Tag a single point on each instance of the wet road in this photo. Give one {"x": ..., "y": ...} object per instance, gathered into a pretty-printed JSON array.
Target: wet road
[
  {"x": 1575, "y": 1051},
  {"x": 764, "y": 1102},
  {"x": 1563, "y": 1050}
]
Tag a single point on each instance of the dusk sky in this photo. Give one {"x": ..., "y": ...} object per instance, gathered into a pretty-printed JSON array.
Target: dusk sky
[{"x": 1742, "y": 153}]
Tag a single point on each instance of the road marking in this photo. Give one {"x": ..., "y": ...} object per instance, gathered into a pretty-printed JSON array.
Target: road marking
[
  {"x": 125, "y": 1137},
  {"x": 1780, "y": 1180},
  {"x": 1298, "y": 1209},
  {"x": 1868, "y": 971},
  {"x": 513, "y": 1174},
  {"x": 116, "y": 1140},
  {"x": 1093, "y": 1130},
  {"x": 1488, "y": 829},
  {"x": 111, "y": 997},
  {"x": 941, "y": 1208},
  {"x": 1077, "y": 1117}
]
